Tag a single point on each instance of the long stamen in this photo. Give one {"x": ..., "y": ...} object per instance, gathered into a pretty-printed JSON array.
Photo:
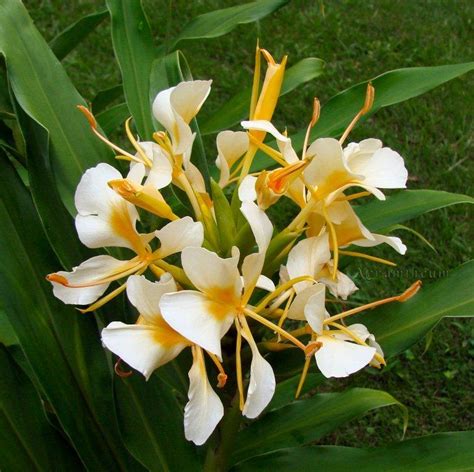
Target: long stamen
[
  {"x": 369, "y": 101},
  {"x": 273, "y": 153},
  {"x": 368, "y": 257},
  {"x": 93, "y": 124},
  {"x": 354, "y": 196},
  {"x": 335, "y": 248},
  {"x": 285, "y": 311},
  {"x": 304, "y": 373},
  {"x": 117, "y": 275},
  {"x": 314, "y": 120},
  {"x": 256, "y": 82},
  {"x": 282, "y": 288},
  {"x": 138, "y": 148},
  {"x": 406, "y": 295},
  {"x": 222, "y": 376},
  {"x": 102, "y": 301},
  {"x": 238, "y": 365},
  {"x": 275, "y": 328}
]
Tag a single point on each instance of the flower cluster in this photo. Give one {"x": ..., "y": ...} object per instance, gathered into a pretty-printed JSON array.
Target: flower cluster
[{"x": 236, "y": 278}]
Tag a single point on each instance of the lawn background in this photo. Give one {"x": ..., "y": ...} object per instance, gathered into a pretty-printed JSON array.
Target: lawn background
[{"x": 434, "y": 133}]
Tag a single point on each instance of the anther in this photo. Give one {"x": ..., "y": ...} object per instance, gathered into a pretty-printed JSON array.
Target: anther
[
  {"x": 312, "y": 348},
  {"x": 118, "y": 370},
  {"x": 221, "y": 380}
]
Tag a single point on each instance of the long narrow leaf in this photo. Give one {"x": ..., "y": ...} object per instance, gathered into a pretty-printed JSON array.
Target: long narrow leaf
[
  {"x": 133, "y": 46},
  {"x": 220, "y": 22},
  {"x": 62, "y": 347},
  {"x": 44, "y": 91},
  {"x": 445, "y": 452},
  {"x": 27, "y": 440},
  {"x": 68, "y": 39},
  {"x": 406, "y": 205},
  {"x": 307, "y": 420},
  {"x": 398, "y": 326}
]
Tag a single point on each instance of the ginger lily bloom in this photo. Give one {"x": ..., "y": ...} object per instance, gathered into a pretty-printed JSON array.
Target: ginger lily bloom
[
  {"x": 151, "y": 343},
  {"x": 221, "y": 299},
  {"x": 106, "y": 220}
]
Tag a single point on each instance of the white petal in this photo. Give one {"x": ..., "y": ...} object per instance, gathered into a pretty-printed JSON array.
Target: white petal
[
  {"x": 179, "y": 234},
  {"x": 341, "y": 358},
  {"x": 247, "y": 192},
  {"x": 137, "y": 346},
  {"x": 160, "y": 174},
  {"x": 251, "y": 271},
  {"x": 314, "y": 310},
  {"x": 90, "y": 271},
  {"x": 342, "y": 287},
  {"x": 197, "y": 318},
  {"x": 262, "y": 382},
  {"x": 187, "y": 98},
  {"x": 263, "y": 125},
  {"x": 137, "y": 172},
  {"x": 308, "y": 258},
  {"x": 145, "y": 295},
  {"x": 393, "y": 241},
  {"x": 260, "y": 224},
  {"x": 217, "y": 277},
  {"x": 231, "y": 145},
  {"x": 298, "y": 306},
  {"x": 383, "y": 168},
  {"x": 358, "y": 329},
  {"x": 93, "y": 195},
  {"x": 265, "y": 283},
  {"x": 204, "y": 409}
]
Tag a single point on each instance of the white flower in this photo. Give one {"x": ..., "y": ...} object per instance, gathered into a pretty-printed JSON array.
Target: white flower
[{"x": 107, "y": 220}]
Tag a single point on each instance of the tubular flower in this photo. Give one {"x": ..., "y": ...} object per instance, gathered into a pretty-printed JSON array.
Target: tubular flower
[
  {"x": 106, "y": 220},
  {"x": 151, "y": 343}
]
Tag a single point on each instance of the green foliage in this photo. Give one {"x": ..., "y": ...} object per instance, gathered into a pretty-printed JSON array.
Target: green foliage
[{"x": 127, "y": 424}]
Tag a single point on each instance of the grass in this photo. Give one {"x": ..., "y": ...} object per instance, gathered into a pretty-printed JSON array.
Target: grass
[{"x": 358, "y": 40}]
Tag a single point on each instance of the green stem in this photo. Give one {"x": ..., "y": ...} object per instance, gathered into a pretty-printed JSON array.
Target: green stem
[{"x": 217, "y": 460}]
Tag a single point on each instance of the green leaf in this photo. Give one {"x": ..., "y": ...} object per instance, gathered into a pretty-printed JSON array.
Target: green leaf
[
  {"x": 167, "y": 72},
  {"x": 133, "y": 46},
  {"x": 112, "y": 118},
  {"x": 61, "y": 346},
  {"x": 68, "y": 39},
  {"x": 399, "y": 325},
  {"x": 56, "y": 220},
  {"x": 405, "y": 205},
  {"x": 151, "y": 423},
  {"x": 49, "y": 98},
  {"x": 236, "y": 109},
  {"x": 27, "y": 440},
  {"x": 106, "y": 97},
  {"x": 445, "y": 452},
  {"x": 305, "y": 421},
  {"x": 390, "y": 88},
  {"x": 219, "y": 22},
  {"x": 7, "y": 333},
  {"x": 224, "y": 218}
]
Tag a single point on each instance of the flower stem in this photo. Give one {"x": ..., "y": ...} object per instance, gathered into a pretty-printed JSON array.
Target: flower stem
[{"x": 217, "y": 460}]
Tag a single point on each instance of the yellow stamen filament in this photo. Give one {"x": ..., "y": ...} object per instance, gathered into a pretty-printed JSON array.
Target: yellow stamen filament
[
  {"x": 368, "y": 103},
  {"x": 406, "y": 295},
  {"x": 157, "y": 271},
  {"x": 354, "y": 196},
  {"x": 273, "y": 153},
  {"x": 222, "y": 376},
  {"x": 368, "y": 257},
  {"x": 238, "y": 364},
  {"x": 274, "y": 328},
  {"x": 93, "y": 123},
  {"x": 280, "y": 289},
  {"x": 102, "y": 301},
  {"x": 332, "y": 232},
  {"x": 304, "y": 373},
  {"x": 314, "y": 120},
  {"x": 285, "y": 311},
  {"x": 135, "y": 144}
]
